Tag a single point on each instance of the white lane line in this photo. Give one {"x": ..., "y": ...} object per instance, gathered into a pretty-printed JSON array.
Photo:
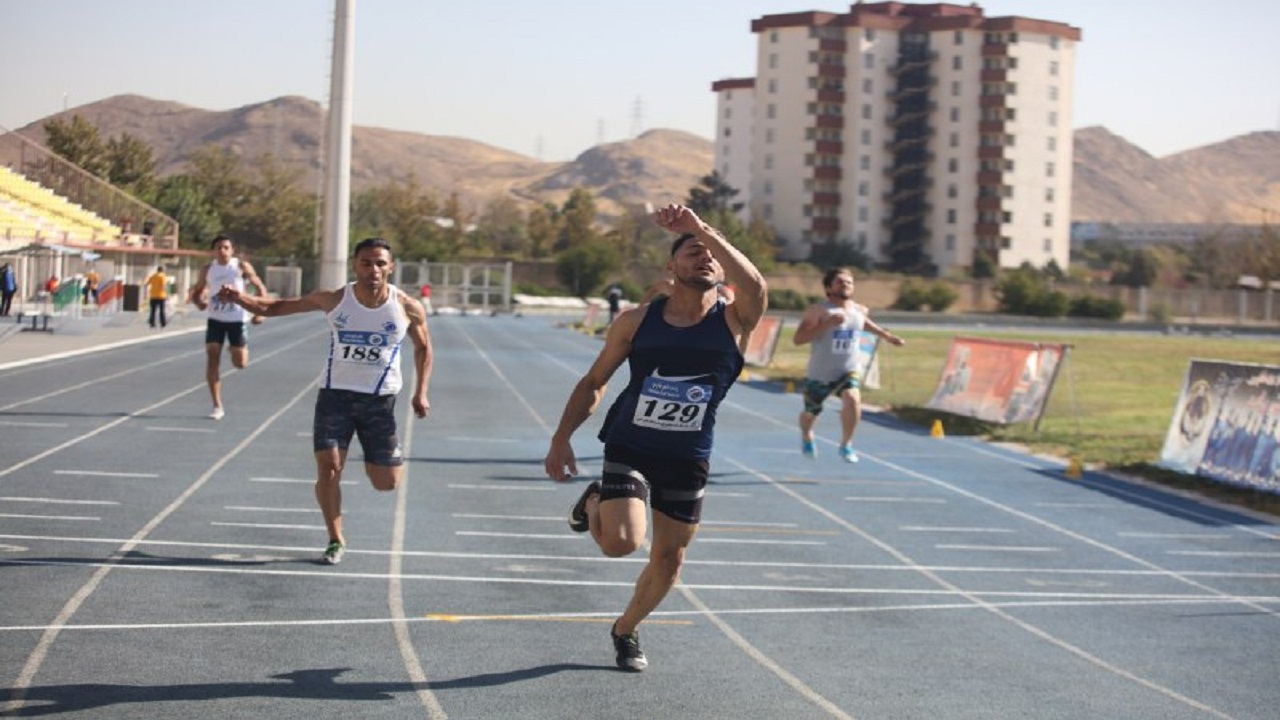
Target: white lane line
[
  {"x": 477, "y": 516},
  {"x": 473, "y": 556},
  {"x": 998, "y": 548},
  {"x": 156, "y": 428},
  {"x": 1225, "y": 553},
  {"x": 926, "y": 528},
  {"x": 474, "y": 486},
  {"x": 251, "y": 508},
  {"x": 298, "y": 481},
  {"x": 886, "y": 499},
  {"x": 59, "y": 501},
  {"x": 717, "y": 493},
  {"x": 100, "y": 473},
  {"x": 20, "y": 423},
  {"x": 1174, "y": 536},
  {"x": 605, "y": 615},
  {"x": 18, "y": 516},
  {"x": 269, "y": 526}
]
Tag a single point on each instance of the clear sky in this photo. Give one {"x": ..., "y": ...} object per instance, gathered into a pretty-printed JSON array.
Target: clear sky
[{"x": 551, "y": 79}]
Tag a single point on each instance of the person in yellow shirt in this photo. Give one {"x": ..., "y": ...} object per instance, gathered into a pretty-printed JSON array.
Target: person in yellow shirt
[{"x": 158, "y": 291}]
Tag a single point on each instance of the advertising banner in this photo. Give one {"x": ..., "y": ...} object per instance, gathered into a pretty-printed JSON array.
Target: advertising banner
[
  {"x": 1226, "y": 425},
  {"x": 998, "y": 381},
  {"x": 763, "y": 341}
]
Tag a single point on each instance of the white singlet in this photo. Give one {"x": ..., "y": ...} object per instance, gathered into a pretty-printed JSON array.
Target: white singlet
[
  {"x": 364, "y": 345},
  {"x": 217, "y": 276}
]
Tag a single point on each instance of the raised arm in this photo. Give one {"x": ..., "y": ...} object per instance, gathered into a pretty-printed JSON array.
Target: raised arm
[
  {"x": 323, "y": 300},
  {"x": 752, "y": 296}
]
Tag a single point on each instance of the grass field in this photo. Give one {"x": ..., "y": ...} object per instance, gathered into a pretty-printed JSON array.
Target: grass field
[{"x": 1110, "y": 407}]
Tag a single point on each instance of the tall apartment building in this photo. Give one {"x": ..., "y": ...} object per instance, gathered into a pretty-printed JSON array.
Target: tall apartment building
[{"x": 923, "y": 135}]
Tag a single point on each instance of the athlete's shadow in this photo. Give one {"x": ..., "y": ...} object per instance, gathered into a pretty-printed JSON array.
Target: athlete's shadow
[{"x": 319, "y": 684}]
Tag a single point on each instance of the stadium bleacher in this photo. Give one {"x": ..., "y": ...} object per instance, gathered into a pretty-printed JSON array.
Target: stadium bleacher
[{"x": 29, "y": 210}]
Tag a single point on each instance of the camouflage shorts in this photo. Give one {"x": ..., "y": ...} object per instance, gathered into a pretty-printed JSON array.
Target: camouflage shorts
[
  {"x": 343, "y": 413},
  {"x": 816, "y": 392}
]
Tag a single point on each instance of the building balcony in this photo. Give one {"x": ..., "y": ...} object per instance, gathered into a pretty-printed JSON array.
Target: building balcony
[
  {"x": 825, "y": 224},
  {"x": 832, "y": 46},
  {"x": 913, "y": 63},
  {"x": 829, "y": 121},
  {"x": 991, "y": 152},
  {"x": 986, "y": 229},
  {"x": 995, "y": 50},
  {"x": 828, "y": 147},
  {"x": 990, "y": 177},
  {"x": 994, "y": 75},
  {"x": 831, "y": 96},
  {"x": 990, "y": 203},
  {"x": 993, "y": 101},
  {"x": 897, "y": 145},
  {"x": 900, "y": 93},
  {"x": 826, "y": 199},
  {"x": 831, "y": 70},
  {"x": 991, "y": 126},
  {"x": 827, "y": 172}
]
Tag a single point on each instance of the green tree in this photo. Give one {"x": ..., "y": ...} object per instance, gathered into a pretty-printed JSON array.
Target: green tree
[
  {"x": 584, "y": 268},
  {"x": 455, "y": 230},
  {"x": 403, "y": 213},
  {"x": 182, "y": 199},
  {"x": 131, "y": 166},
  {"x": 501, "y": 229},
  {"x": 1140, "y": 269},
  {"x": 222, "y": 178},
  {"x": 578, "y": 219},
  {"x": 79, "y": 142},
  {"x": 713, "y": 194},
  {"x": 543, "y": 226},
  {"x": 278, "y": 216}
]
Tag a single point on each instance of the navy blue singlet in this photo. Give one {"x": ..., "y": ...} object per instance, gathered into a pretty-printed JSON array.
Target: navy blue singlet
[{"x": 678, "y": 378}]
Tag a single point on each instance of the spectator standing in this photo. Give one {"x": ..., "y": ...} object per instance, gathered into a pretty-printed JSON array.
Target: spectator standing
[
  {"x": 158, "y": 293},
  {"x": 8, "y": 288}
]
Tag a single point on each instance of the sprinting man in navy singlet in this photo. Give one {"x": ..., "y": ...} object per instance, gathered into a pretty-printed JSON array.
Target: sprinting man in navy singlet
[
  {"x": 369, "y": 320},
  {"x": 682, "y": 350}
]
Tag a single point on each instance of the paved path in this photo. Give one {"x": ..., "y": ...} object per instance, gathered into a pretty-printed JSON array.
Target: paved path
[{"x": 158, "y": 564}]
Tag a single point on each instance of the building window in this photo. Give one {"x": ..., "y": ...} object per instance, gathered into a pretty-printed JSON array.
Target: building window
[
  {"x": 869, "y": 61},
  {"x": 1053, "y": 119},
  {"x": 1048, "y": 194},
  {"x": 866, "y": 112},
  {"x": 771, "y": 111},
  {"x": 773, "y": 60},
  {"x": 768, "y": 162},
  {"x": 957, "y": 63},
  {"x": 1053, "y": 41},
  {"x": 862, "y": 213},
  {"x": 955, "y": 139},
  {"x": 1053, "y": 143},
  {"x": 767, "y": 211},
  {"x": 864, "y": 189},
  {"x": 955, "y": 88},
  {"x": 866, "y": 137},
  {"x": 1006, "y": 243},
  {"x": 951, "y": 242},
  {"x": 1048, "y": 245},
  {"x": 1048, "y": 170},
  {"x": 862, "y": 239},
  {"x": 768, "y": 135},
  {"x": 1053, "y": 68},
  {"x": 958, "y": 38},
  {"x": 726, "y": 150},
  {"x": 773, "y": 85},
  {"x": 864, "y": 162},
  {"x": 869, "y": 34},
  {"x": 773, "y": 36},
  {"x": 768, "y": 187},
  {"x": 1053, "y": 92},
  {"x": 725, "y": 170},
  {"x": 951, "y": 216},
  {"x": 953, "y": 165},
  {"x": 728, "y": 132},
  {"x": 868, "y": 87},
  {"x": 952, "y": 190},
  {"x": 1048, "y": 219},
  {"x": 955, "y": 114}
]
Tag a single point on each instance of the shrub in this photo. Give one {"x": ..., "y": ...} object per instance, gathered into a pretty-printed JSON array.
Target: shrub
[
  {"x": 1096, "y": 307},
  {"x": 912, "y": 295},
  {"x": 941, "y": 296},
  {"x": 787, "y": 299}
]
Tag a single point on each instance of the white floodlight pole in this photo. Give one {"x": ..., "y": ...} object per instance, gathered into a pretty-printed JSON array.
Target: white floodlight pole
[{"x": 337, "y": 195}]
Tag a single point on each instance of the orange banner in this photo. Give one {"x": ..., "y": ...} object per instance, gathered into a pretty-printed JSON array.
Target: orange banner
[
  {"x": 762, "y": 341},
  {"x": 996, "y": 380}
]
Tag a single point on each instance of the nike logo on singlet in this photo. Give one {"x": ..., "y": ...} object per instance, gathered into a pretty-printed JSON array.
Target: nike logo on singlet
[{"x": 675, "y": 378}]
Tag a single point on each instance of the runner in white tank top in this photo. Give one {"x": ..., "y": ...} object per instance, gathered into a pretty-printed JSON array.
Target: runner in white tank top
[
  {"x": 369, "y": 319},
  {"x": 226, "y": 325},
  {"x": 833, "y": 327}
]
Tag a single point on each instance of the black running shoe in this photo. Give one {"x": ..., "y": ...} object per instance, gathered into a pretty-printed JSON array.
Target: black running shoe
[
  {"x": 630, "y": 657},
  {"x": 578, "y": 520}
]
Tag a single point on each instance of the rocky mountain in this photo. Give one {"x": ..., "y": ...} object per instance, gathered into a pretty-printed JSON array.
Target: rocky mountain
[{"x": 1115, "y": 181}]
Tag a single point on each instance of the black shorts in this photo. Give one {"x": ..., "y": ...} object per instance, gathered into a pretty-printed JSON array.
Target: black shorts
[
  {"x": 218, "y": 332},
  {"x": 673, "y": 487},
  {"x": 342, "y": 413}
]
